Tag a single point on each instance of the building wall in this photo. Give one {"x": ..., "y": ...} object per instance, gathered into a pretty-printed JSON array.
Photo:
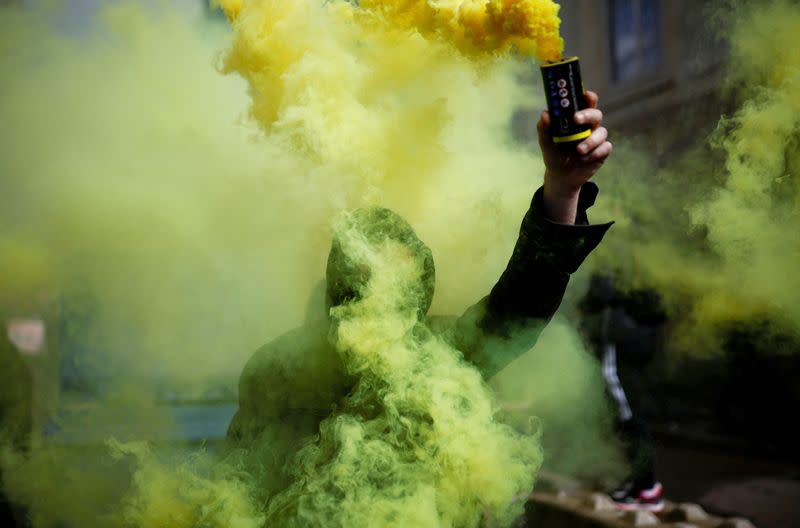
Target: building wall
[{"x": 686, "y": 81}]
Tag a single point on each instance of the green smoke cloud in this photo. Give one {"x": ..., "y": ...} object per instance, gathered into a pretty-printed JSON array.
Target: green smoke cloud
[
  {"x": 127, "y": 177},
  {"x": 416, "y": 441},
  {"x": 135, "y": 185}
]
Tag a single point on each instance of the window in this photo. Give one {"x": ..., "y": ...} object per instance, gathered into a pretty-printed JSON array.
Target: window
[{"x": 635, "y": 38}]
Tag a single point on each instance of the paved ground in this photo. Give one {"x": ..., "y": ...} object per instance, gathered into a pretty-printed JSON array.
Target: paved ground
[
  {"x": 583, "y": 509},
  {"x": 767, "y": 491},
  {"x": 709, "y": 483}
]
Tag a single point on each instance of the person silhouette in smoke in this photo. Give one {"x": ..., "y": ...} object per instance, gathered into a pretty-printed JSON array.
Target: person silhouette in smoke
[
  {"x": 623, "y": 328},
  {"x": 292, "y": 383},
  {"x": 16, "y": 417}
]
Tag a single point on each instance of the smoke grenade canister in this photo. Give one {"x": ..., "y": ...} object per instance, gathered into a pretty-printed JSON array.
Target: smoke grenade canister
[{"x": 564, "y": 90}]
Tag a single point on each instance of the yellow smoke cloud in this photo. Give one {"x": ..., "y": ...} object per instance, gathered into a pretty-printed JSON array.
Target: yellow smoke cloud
[
  {"x": 752, "y": 219},
  {"x": 192, "y": 223},
  {"x": 715, "y": 229},
  {"x": 362, "y": 89},
  {"x": 475, "y": 27},
  {"x": 196, "y": 236}
]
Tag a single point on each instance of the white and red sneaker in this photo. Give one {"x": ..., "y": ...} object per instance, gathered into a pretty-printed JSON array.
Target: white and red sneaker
[{"x": 631, "y": 497}]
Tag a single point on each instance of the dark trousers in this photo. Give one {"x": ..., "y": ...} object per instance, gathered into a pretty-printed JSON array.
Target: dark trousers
[
  {"x": 624, "y": 388},
  {"x": 10, "y": 515}
]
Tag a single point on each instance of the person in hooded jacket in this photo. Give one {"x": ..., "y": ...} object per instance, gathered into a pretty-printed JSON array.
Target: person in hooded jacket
[{"x": 290, "y": 384}]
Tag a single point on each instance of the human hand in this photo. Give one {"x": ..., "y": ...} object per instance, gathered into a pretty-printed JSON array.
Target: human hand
[{"x": 567, "y": 166}]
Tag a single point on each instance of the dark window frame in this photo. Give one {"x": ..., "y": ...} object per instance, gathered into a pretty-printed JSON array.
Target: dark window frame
[{"x": 644, "y": 66}]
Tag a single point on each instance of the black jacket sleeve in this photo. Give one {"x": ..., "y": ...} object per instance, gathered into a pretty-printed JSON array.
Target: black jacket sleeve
[{"x": 507, "y": 322}]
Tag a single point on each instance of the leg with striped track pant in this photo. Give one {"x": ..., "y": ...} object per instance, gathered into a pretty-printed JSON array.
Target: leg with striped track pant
[{"x": 640, "y": 490}]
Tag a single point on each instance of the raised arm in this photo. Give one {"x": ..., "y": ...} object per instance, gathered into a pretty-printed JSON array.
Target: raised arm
[
  {"x": 567, "y": 169},
  {"x": 555, "y": 238}
]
